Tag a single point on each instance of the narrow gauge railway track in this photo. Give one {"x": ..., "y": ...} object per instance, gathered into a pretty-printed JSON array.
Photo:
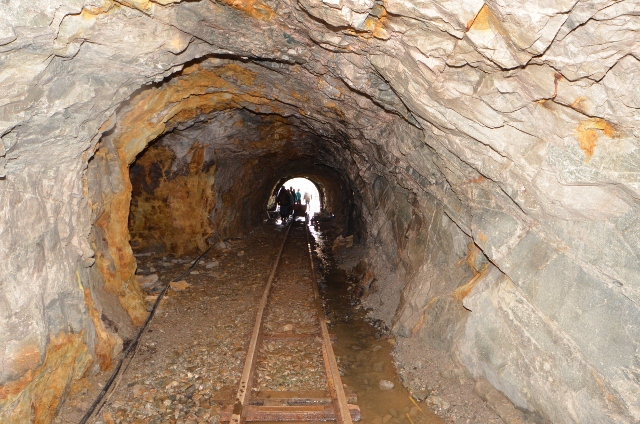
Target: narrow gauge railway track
[{"x": 304, "y": 384}]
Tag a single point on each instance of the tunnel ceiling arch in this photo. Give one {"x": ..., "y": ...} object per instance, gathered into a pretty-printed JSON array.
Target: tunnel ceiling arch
[{"x": 492, "y": 150}]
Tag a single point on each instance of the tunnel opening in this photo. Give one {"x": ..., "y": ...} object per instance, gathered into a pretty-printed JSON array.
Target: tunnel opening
[
  {"x": 203, "y": 175},
  {"x": 308, "y": 190}
]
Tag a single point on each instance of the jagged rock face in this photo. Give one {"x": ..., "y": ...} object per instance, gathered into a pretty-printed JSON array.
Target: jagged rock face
[
  {"x": 490, "y": 149},
  {"x": 213, "y": 178}
]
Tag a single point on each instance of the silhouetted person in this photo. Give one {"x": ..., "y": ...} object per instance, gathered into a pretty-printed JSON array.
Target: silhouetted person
[
  {"x": 284, "y": 200},
  {"x": 307, "y": 198},
  {"x": 298, "y": 197}
]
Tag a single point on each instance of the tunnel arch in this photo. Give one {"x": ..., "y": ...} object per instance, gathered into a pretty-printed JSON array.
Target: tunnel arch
[
  {"x": 393, "y": 218},
  {"x": 194, "y": 135},
  {"x": 318, "y": 193},
  {"x": 452, "y": 126}
]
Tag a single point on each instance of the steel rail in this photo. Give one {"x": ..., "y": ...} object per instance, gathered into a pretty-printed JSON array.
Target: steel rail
[
  {"x": 334, "y": 382},
  {"x": 244, "y": 388}
]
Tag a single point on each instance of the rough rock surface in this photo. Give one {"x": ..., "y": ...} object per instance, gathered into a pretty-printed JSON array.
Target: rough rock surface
[{"x": 488, "y": 152}]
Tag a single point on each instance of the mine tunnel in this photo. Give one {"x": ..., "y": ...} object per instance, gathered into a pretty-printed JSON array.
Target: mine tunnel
[{"x": 477, "y": 169}]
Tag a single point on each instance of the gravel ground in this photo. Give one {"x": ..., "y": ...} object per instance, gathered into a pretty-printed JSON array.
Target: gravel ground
[
  {"x": 287, "y": 364},
  {"x": 190, "y": 358},
  {"x": 188, "y": 362},
  {"x": 441, "y": 384}
]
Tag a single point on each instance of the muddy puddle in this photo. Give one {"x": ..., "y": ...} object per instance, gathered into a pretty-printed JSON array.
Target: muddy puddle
[{"x": 363, "y": 351}]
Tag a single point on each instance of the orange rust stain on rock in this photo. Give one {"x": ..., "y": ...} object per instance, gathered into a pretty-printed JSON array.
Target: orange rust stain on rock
[
  {"x": 35, "y": 397},
  {"x": 184, "y": 97},
  {"x": 336, "y": 109},
  {"x": 485, "y": 20},
  {"x": 577, "y": 103},
  {"x": 460, "y": 292},
  {"x": 142, "y": 5},
  {"x": 482, "y": 237},
  {"x": 482, "y": 21},
  {"x": 153, "y": 108},
  {"x": 117, "y": 264},
  {"x": 274, "y": 135},
  {"x": 416, "y": 328},
  {"x": 193, "y": 107},
  {"x": 196, "y": 90},
  {"x": 611, "y": 397},
  {"x": 253, "y": 8},
  {"x": 23, "y": 361},
  {"x": 176, "y": 213},
  {"x": 238, "y": 74},
  {"x": 105, "y": 341},
  {"x": 464, "y": 290},
  {"x": 13, "y": 388},
  {"x": 380, "y": 30},
  {"x": 556, "y": 79},
  {"x": 302, "y": 97},
  {"x": 587, "y": 134},
  {"x": 376, "y": 25},
  {"x": 90, "y": 13},
  {"x": 472, "y": 255}
]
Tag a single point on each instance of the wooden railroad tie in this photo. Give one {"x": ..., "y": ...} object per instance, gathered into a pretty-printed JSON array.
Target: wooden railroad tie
[
  {"x": 330, "y": 405},
  {"x": 290, "y": 413},
  {"x": 312, "y": 405}
]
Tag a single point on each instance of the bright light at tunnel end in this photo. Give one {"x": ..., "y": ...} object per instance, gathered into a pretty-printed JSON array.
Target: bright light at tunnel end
[{"x": 306, "y": 186}]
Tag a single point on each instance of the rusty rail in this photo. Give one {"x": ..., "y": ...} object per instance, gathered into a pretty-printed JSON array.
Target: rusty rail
[
  {"x": 342, "y": 412},
  {"x": 239, "y": 414},
  {"x": 292, "y": 406}
]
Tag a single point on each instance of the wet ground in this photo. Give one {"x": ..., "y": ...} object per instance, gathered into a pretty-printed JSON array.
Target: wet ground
[
  {"x": 189, "y": 360},
  {"x": 363, "y": 351}
]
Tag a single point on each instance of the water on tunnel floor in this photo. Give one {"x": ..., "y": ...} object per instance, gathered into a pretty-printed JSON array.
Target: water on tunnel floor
[{"x": 363, "y": 352}]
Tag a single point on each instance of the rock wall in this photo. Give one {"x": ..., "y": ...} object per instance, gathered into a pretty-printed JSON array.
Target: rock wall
[
  {"x": 488, "y": 150},
  {"x": 210, "y": 179},
  {"x": 171, "y": 212}
]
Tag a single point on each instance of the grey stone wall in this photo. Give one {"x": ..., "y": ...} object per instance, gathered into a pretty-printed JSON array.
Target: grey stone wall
[{"x": 500, "y": 136}]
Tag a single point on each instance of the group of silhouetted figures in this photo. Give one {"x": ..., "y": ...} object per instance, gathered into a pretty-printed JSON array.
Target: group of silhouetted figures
[{"x": 288, "y": 199}]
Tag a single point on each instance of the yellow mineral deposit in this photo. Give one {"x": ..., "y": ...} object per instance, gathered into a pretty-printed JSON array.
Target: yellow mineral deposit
[
  {"x": 176, "y": 213},
  {"x": 588, "y": 132},
  {"x": 35, "y": 397}
]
